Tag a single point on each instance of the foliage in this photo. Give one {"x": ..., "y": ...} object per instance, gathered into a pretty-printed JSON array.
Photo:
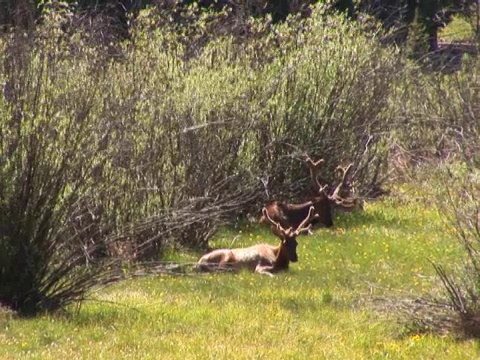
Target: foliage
[
  {"x": 46, "y": 157},
  {"x": 457, "y": 197},
  {"x": 440, "y": 112},
  {"x": 448, "y": 114},
  {"x": 418, "y": 41},
  {"x": 416, "y": 24},
  {"x": 453, "y": 187}
]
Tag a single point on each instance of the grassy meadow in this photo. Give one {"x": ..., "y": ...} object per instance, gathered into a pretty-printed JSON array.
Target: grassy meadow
[{"x": 321, "y": 308}]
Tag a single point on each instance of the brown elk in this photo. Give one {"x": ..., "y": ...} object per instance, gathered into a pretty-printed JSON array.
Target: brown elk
[
  {"x": 262, "y": 258},
  {"x": 290, "y": 215}
]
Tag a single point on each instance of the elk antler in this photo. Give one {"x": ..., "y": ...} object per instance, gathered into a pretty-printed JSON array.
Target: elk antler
[
  {"x": 274, "y": 223},
  {"x": 343, "y": 195},
  {"x": 302, "y": 228},
  {"x": 314, "y": 166},
  {"x": 343, "y": 171}
]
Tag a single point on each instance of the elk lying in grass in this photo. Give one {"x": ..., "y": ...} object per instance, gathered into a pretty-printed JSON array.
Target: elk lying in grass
[
  {"x": 291, "y": 215},
  {"x": 342, "y": 197},
  {"x": 262, "y": 258}
]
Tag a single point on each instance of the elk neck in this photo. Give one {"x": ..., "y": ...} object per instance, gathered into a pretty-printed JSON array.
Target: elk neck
[{"x": 281, "y": 260}]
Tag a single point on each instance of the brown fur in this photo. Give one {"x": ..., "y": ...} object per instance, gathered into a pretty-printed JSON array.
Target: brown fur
[
  {"x": 261, "y": 258},
  {"x": 291, "y": 215}
]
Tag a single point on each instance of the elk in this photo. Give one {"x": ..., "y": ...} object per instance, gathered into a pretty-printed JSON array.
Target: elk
[
  {"x": 291, "y": 215},
  {"x": 262, "y": 258}
]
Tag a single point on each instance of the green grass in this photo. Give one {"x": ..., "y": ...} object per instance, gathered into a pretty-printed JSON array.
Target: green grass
[
  {"x": 312, "y": 311},
  {"x": 460, "y": 29}
]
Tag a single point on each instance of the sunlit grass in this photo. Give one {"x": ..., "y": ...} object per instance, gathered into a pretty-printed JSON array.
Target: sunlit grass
[
  {"x": 459, "y": 29},
  {"x": 312, "y": 311}
]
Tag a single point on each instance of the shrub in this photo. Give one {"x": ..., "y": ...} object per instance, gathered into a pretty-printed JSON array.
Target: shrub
[
  {"x": 457, "y": 199},
  {"x": 47, "y": 156}
]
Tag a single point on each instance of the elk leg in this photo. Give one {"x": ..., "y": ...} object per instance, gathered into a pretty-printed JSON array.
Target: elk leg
[
  {"x": 227, "y": 262},
  {"x": 264, "y": 269}
]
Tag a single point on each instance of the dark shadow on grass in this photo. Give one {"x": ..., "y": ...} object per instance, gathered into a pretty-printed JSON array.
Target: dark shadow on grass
[
  {"x": 354, "y": 220},
  {"x": 303, "y": 305}
]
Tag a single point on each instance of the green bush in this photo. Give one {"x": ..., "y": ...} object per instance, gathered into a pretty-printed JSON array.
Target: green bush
[{"x": 47, "y": 154}]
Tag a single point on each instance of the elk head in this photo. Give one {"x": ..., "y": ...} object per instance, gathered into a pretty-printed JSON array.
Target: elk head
[
  {"x": 343, "y": 194},
  {"x": 344, "y": 191},
  {"x": 288, "y": 237}
]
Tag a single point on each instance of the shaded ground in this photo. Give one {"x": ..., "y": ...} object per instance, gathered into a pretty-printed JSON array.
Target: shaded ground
[{"x": 449, "y": 56}]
